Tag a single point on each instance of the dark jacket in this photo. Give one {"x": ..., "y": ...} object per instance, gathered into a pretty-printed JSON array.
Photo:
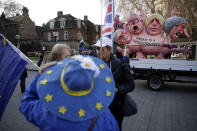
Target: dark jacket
[
  {"x": 24, "y": 74},
  {"x": 124, "y": 83}
]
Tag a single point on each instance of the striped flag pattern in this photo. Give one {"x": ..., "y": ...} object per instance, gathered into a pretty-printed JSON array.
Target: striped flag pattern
[{"x": 107, "y": 29}]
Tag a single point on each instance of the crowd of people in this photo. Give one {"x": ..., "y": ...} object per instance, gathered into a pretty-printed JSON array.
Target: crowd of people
[{"x": 79, "y": 90}]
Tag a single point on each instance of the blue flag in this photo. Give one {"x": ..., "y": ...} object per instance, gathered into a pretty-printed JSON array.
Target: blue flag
[
  {"x": 12, "y": 64},
  {"x": 81, "y": 45}
]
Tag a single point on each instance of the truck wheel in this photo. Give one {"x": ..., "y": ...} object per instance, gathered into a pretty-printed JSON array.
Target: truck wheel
[{"x": 154, "y": 82}]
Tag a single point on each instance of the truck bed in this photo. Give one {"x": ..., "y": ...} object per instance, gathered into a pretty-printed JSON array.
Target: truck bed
[{"x": 164, "y": 64}]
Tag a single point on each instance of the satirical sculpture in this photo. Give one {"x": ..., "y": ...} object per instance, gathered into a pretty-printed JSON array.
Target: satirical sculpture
[{"x": 144, "y": 35}]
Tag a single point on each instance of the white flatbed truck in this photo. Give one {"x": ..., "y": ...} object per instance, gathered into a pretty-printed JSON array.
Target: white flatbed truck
[{"x": 157, "y": 71}]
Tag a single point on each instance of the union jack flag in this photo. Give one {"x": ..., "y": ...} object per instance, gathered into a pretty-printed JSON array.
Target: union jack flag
[{"x": 109, "y": 20}]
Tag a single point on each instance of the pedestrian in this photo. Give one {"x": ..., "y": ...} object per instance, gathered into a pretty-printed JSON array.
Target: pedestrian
[
  {"x": 121, "y": 72},
  {"x": 74, "y": 94},
  {"x": 40, "y": 59},
  {"x": 58, "y": 52},
  {"x": 22, "y": 82}
]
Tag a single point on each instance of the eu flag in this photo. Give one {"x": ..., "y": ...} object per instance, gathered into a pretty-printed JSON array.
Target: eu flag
[{"x": 12, "y": 64}]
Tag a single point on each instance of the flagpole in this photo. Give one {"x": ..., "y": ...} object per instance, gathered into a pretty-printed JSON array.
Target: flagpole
[
  {"x": 101, "y": 50},
  {"x": 112, "y": 26}
]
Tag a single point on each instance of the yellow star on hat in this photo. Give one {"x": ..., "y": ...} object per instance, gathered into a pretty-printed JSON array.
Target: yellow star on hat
[
  {"x": 49, "y": 72},
  {"x": 108, "y": 79},
  {"x": 48, "y": 97},
  {"x": 99, "y": 105},
  {"x": 102, "y": 66},
  {"x": 43, "y": 82},
  {"x": 108, "y": 93},
  {"x": 62, "y": 110},
  {"x": 81, "y": 113}
]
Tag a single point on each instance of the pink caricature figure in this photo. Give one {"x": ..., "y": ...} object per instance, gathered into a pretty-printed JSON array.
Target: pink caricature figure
[
  {"x": 174, "y": 26},
  {"x": 122, "y": 36},
  {"x": 154, "y": 24},
  {"x": 135, "y": 24}
]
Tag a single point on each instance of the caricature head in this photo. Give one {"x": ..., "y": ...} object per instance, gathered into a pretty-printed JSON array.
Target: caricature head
[
  {"x": 135, "y": 24},
  {"x": 175, "y": 27},
  {"x": 122, "y": 36},
  {"x": 154, "y": 24}
]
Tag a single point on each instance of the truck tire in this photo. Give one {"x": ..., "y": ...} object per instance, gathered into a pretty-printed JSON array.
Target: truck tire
[{"x": 155, "y": 82}]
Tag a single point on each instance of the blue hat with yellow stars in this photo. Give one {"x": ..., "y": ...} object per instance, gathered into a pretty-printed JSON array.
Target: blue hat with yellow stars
[{"x": 77, "y": 88}]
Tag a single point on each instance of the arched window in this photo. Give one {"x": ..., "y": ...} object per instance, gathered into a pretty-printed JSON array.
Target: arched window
[
  {"x": 62, "y": 23},
  {"x": 52, "y": 22}
]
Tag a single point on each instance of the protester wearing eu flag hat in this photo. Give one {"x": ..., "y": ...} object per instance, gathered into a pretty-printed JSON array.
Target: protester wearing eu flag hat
[{"x": 74, "y": 94}]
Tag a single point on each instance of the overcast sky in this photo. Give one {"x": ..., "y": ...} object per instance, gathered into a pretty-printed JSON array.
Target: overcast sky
[{"x": 41, "y": 11}]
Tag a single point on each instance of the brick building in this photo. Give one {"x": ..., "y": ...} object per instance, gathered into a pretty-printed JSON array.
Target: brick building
[
  {"x": 8, "y": 28},
  {"x": 68, "y": 29},
  {"x": 21, "y": 28},
  {"x": 26, "y": 27}
]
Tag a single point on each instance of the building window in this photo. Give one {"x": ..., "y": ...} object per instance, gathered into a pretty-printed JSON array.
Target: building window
[
  {"x": 56, "y": 35},
  {"x": 79, "y": 36},
  {"x": 97, "y": 37},
  {"x": 52, "y": 24},
  {"x": 65, "y": 35},
  {"x": 21, "y": 26},
  {"x": 49, "y": 36},
  {"x": 62, "y": 23},
  {"x": 96, "y": 28},
  {"x": 69, "y": 23}
]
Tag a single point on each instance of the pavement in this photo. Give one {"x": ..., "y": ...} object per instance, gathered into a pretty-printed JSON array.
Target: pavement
[
  {"x": 174, "y": 108},
  {"x": 32, "y": 67}
]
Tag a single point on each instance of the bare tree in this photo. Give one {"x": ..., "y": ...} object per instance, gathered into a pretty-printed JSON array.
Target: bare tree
[
  {"x": 11, "y": 8},
  {"x": 126, "y": 7},
  {"x": 187, "y": 9}
]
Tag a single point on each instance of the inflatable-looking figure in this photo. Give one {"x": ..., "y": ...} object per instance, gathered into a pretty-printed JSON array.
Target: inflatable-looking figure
[{"x": 146, "y": 35}]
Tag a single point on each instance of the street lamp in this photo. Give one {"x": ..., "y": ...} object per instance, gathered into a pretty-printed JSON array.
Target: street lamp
[{"x": 17, "y": 37}]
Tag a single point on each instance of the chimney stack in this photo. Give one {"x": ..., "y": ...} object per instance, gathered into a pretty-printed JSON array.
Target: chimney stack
[
  {"x": 85, "y": 17},
  {"x": 25, "y": 11},
  {"x": 59, "y": 13}
]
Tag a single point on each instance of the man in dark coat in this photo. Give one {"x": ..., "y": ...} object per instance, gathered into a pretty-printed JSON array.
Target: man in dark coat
[
  {"x": 123, "y": 78},
  {"x": 22, "y": 82}
]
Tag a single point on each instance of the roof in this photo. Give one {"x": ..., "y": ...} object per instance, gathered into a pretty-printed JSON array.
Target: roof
[
  {"x": 16, "y": 18},
  {"x": 67, "y": 16}
]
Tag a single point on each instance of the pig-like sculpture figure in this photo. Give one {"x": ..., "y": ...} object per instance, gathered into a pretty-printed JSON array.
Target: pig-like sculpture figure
[
  {"x": 149, "y": 40},
  {"x": 154, "y": 25},
  {"x": 174, "y": 26}
]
